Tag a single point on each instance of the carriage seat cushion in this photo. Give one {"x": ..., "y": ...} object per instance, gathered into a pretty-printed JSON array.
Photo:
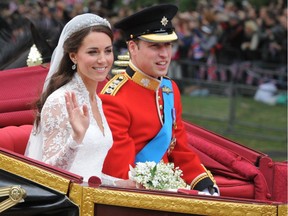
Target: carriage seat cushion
[
  {"x": 15, "y": 138},
  {"x": 19, "y": 89},
  {"x": 232, "y": 165}
]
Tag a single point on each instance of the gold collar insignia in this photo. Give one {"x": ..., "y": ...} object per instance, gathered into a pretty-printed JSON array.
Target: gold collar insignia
[{"x": 143, "y": 79}]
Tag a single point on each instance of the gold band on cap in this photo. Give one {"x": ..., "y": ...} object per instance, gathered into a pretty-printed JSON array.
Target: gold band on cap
[{"x": 159, "y": 37}]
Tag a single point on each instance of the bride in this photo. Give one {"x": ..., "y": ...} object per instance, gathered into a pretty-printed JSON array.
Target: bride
[{"x": 70, "y": 130}]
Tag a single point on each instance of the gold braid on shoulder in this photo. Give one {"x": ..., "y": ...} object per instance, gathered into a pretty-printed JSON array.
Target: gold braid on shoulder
[{"x": 121, "y": 64}]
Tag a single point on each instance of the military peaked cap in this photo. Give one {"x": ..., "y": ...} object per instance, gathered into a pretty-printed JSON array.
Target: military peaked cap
[{"x": 151, "y": 24}]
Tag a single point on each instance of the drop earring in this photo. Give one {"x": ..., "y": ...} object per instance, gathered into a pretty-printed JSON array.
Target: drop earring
[{"x": 74, "y": 66}]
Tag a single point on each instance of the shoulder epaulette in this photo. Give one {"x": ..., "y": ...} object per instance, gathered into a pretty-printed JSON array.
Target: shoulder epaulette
[{"x": 113, "y": 85}]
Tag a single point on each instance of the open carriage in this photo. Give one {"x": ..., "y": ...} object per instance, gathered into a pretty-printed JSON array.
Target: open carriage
[{"x": 251, "y": 183}]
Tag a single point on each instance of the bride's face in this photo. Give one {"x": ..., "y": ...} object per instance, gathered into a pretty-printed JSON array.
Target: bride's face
[{"x": 94, "y": 57}]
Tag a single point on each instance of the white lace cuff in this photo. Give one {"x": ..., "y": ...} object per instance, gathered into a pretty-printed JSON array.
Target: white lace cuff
[{"x": 72, "y": 143}]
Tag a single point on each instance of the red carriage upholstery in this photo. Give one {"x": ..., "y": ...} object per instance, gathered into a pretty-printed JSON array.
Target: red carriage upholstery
[
  {"x": 276, "y": 174},
  {"x": 15, "y": 138},
  {"x": 19, "y": 88},
  {"x": 239, "y": 171}
]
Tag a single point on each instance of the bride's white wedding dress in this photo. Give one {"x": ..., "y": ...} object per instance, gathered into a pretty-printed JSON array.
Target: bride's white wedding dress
[{"x": 52, "y": 142}]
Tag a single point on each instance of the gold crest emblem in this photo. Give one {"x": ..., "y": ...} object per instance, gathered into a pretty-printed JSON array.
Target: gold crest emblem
[
  {"x": 166, "y": 90},
  {"x": 164, "y": 21}
]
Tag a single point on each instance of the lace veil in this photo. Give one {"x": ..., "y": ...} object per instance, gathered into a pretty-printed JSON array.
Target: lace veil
[{"x": 78, "y": 23}]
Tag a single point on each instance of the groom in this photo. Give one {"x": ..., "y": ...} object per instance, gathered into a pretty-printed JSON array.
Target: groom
[{"x": 143, "y": 105}]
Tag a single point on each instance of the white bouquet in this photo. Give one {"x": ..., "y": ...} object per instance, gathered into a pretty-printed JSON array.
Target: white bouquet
[{"x": 161, "y": 176}]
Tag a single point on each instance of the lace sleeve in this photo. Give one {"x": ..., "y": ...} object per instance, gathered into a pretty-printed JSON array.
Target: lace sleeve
[{"x": 59, "y": 147}]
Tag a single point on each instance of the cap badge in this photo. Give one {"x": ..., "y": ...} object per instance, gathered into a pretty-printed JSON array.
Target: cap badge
[
  {"x": 166, "y": 90},
  {"x": 164, "y": 21}
]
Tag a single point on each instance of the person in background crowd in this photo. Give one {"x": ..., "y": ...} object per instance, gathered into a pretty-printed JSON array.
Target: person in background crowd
[
  {"x": 231, "y": 39},
  {"x": 250, "y": 43}
]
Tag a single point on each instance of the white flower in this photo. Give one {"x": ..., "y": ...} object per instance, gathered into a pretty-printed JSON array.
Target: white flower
[
  {"x": 34, "y": 56},
  {"x": 161, "y": 176}
]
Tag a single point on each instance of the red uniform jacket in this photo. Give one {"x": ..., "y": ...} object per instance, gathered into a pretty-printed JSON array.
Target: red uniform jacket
[{"x": 133, "y": 105}]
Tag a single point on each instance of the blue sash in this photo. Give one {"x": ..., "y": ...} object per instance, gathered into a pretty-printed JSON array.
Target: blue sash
[{"x": 156, "y": 148}]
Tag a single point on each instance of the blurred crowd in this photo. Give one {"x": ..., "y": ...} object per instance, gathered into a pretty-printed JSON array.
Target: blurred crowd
[
  {"x": 238, "y": 36},
  {"x": 216, "y": 33}
]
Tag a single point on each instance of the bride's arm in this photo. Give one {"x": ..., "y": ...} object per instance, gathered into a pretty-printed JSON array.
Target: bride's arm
[
  {"x": 59, "y": 148},
  {"x": 64, "y": 125}
]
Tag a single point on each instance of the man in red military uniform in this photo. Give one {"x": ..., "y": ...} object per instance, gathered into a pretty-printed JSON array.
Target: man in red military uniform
[{"x": 143, "y": 106}]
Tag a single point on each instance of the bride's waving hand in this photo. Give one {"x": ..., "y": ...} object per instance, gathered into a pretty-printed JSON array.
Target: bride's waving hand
[{"x": 78, "y": 116}]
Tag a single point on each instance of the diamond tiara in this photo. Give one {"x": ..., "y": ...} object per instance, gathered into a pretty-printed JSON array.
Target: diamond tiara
[{"x": 86, "y": 21}]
